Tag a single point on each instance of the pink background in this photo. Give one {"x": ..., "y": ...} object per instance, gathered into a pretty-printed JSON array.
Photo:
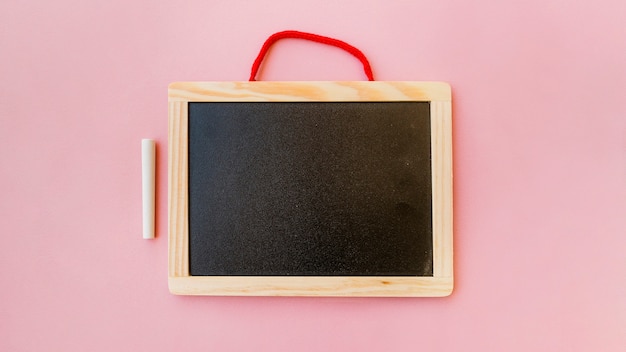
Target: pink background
[{"x": 539, "y": 91}]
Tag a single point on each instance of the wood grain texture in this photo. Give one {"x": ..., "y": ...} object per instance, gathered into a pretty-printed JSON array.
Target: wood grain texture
[
  {"x": 439, "y": 96},
  {"x": 441, "y": 149},
  {"x": 178, "y": 179},
  {"x": 311, "y": 286},
  {"x": 309, "y": 91}
]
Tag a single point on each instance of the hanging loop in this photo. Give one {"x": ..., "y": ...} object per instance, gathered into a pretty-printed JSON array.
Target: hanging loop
[{"x": 314, "y": 38}]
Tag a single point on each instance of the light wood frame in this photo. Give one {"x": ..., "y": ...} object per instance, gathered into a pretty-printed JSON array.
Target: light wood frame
[{"x": 439, "y": 96}]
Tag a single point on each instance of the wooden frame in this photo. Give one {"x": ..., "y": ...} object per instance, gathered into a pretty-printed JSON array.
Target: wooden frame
[{"x": 439, "y": 96}]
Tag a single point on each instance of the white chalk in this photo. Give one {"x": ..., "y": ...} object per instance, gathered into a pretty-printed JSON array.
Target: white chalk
[{"x": 148, "y": 152}]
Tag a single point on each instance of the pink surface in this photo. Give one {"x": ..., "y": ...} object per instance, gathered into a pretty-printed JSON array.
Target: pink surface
[{"x": 540, "y": 171}]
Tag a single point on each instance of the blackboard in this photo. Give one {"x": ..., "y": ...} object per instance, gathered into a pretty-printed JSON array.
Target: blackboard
[
  {"x": 310, "y": 188},
  {"x": 288, "y": 195}
]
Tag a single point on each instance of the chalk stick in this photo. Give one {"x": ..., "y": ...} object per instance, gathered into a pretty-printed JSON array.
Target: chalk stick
[{"x": 148, "y": 151}]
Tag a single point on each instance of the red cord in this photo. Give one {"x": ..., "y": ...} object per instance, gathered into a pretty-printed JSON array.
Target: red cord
[{"x": 314, "y": 38}]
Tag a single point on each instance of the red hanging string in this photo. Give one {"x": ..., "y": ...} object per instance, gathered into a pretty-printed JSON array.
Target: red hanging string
[{"x": 314, "y": 38}]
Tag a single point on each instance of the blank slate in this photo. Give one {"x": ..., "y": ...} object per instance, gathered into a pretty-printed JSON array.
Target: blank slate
[{"x": 310, "y": 188}]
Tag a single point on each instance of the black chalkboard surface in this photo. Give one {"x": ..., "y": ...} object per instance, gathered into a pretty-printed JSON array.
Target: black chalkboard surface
[{"x": 310, "y": 188}]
